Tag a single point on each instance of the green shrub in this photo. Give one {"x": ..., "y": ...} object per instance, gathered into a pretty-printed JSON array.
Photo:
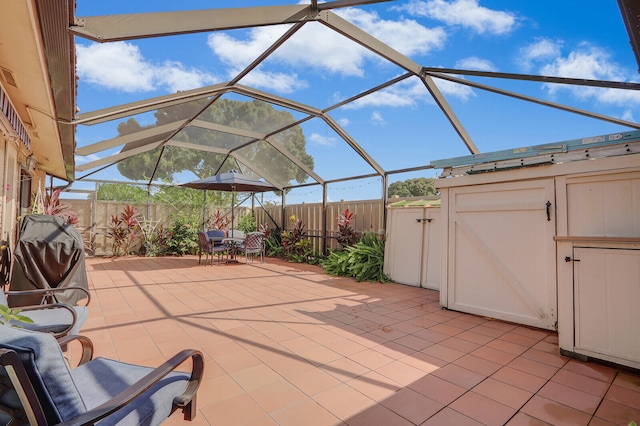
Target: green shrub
[
  {"x": 247, "y": 223},
  {"x": 183, "y": 236},
  {"x": 363, "y": 261}
]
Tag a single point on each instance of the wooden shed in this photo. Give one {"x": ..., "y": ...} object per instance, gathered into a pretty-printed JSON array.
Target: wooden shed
[
  {"x": 412, "y": 253},
  {"x": 549, "y": 236}
]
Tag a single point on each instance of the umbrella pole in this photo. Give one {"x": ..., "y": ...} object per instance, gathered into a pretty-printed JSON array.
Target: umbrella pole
[
  {"x": 204, "y": 211},
  {"x": 233, "y": 202}
]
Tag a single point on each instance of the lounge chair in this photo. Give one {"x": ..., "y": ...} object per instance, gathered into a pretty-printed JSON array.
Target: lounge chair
[
  {"x": 41, "y": 389},
  {"x": 57, "y": 318}
]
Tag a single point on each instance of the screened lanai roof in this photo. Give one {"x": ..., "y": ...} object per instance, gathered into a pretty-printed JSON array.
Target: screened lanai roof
[{"x": 306, "y": 93}]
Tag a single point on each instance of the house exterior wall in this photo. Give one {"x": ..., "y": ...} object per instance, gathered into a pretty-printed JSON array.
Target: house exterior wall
[{"x": 14, "y": 149}]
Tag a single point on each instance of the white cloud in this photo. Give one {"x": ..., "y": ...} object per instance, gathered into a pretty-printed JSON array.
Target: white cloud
[
  {"x": 276, "y": 81},
  {"x": 322, "y": 140},
  {"x": 628, "y": 115},
  {"x": 121, "y": 66},
  {"x": 409, "y": 93},
  {"x": 475, "y": 63},
  {"x": 592, "y": 63},
  {"x": 344, "y": 122},
  {"x": 455, "y": 90},
  {"x": 464, "y": 13},
  {"x": 312, "y": 46},
  {"x": 377, "y": 118},
  {"x": 406, "y": 36},
  {"x": 83, "y": 159},
  {"x": 319, "y": 48},
  {"x": 540, "y": 50}
]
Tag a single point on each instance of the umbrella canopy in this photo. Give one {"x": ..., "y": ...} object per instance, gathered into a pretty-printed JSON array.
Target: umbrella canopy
[{"x": 233, "y": 182}]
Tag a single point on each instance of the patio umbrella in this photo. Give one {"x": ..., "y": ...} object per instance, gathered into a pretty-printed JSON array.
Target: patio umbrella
[{"x": 232, "y": 181}]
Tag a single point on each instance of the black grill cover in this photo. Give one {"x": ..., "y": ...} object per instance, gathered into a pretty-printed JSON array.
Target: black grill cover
[{"x": 49, "y": 254}]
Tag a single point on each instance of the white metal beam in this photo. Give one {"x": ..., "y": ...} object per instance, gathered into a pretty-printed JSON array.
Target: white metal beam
[
  {"x": 145, "y": 25},
  {"x": 538, "y": 101},
  {"x": 151, "y": 104},
  {"x": 119, "y": 156},
  {"x": 154, "y": 133}
]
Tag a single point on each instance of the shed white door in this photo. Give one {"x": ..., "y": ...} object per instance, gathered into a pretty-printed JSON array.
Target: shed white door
[
  {"x": 403, "y": 252},
  {"x": 606, "y": 300},
  {"x": 501, "y": 252},
  {"x": 431, "y": 249}
]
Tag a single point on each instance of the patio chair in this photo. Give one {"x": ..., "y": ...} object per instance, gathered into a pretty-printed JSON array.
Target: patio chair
[
  {"x": 253, "y": 244},
  {"x": 219, "y": 248},
  {"x": 41, "y": 389},
  {"x": 51, "y": 317},
  {"x": 236, "y": 233},
  {"x": 204, "y": 246}
]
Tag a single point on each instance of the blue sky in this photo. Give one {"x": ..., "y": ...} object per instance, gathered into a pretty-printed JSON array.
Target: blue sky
[{"x": 400, "y": 127}]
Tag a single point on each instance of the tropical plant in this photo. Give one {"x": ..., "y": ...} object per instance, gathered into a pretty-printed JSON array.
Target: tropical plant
[
  {"x": 124, "y": 230},
  {"x": 247, "y": 223},
  {"x": 183, "y": 236},
  {"x": 347, "y": 235},
  {"x": 363, "y": 261},
  {"x": 52, "y": 205},
  {"x": 219, "y": 221},
  {"x": 9, "y": 316},
  {"x": 117, "y": 233},
  {"x": 273, "y": 247},
  {"x": 294, "y": 248},
  {"x": 159, "y": 242}
]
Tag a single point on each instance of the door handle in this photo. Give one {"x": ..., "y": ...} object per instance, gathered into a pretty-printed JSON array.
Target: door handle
[
  {"x": 548, "y": 211},
  {"x": 569, "y": 259}
]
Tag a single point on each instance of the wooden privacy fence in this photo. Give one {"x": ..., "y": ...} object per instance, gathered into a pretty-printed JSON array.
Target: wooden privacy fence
[
  {"x": 368, "y": 217},
  {"x": 94, "y": 219}
]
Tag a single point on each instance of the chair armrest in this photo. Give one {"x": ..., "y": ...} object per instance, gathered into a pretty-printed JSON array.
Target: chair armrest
[
  {"x": 10, "y": 360},
  {"x": 74, "y": 316},
  {"x": 85, "y": 343},
  {"x": 49, "y": 292},
  {"x": 128, "y": 395}
]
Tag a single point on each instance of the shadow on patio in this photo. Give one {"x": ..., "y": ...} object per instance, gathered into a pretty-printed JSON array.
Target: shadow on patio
[{"x": 286, "y": 344}]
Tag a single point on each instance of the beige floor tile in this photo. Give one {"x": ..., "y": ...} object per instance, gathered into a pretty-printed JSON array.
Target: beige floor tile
[
  {"x": 482, "y": 409},
  {"x": 438, "y": 389},
  {"x": 343, "y": 401},
  {"x": 555, "y": 413},
  {"x": 570, "y": 397},
  {"x": 503, "y": 393},
  {"x": 276, "y": 395},
  {"x": 447, "y": 416},
  {"x": 412, "y": 405},
  {"x": 306, "y": 412},
  {"x": 285, "y": 344}
]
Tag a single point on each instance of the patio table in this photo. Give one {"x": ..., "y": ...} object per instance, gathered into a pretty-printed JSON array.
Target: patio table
[{"x": 232, "y": 243}]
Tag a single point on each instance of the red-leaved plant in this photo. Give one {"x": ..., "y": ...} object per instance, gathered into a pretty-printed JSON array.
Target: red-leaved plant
[
  {"x": 124, "y": 230},
  {"x": 219, "y": 221},
  {"x": 347, "y": 235},
  {"x": 53, "y": 206}
]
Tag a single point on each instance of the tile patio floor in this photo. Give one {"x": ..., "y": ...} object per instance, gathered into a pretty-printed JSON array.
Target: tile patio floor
[{"x": 285, "y": 344}]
